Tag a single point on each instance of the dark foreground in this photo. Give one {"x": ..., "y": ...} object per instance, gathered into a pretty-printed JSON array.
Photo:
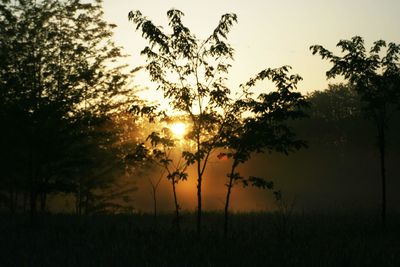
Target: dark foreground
[{"x": 256, "y": 239}]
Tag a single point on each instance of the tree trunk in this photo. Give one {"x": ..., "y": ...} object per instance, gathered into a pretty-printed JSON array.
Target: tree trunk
[
  {"x": 228, "y": 195},
  {"x": 25, "y": 201},
  {"x": 16, "y": 201},
  {"x": 33, "y": 183},
  {"x": 154, "y": 187},
  {"x": 382, "y": 146},
  {"x": 87, "y": 210},
  {"x": 79, "y": 198},
  {"x": 11, "y": 203},
  {"x": 32, "y": 203},
  {"x": 177, "y": 218},
  {"x": 43, "y": 201},
  {"x": 78, "y": 204},
  {"x": 199, "y": 181},
  {"x": 32, "y": 196},
  {"x": 154, "y": 202}
]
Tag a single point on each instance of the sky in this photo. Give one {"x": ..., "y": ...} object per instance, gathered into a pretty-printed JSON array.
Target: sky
[{"x": 268, "y": 33}]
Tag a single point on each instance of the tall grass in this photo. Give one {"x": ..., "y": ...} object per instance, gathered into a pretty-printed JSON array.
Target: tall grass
[{"x": 255, "y": 239}]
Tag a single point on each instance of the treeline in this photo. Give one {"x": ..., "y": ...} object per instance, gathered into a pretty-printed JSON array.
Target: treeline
[
  {"x": 63, "y": 99},
  {"x": 336, "y": 119}
]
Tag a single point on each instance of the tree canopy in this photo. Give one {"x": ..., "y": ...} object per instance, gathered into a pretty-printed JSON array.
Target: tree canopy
[
  {"x": 57, "y": 84},
  {"x": 192, "y": 74},
  {"x": 376, "y": 79}
]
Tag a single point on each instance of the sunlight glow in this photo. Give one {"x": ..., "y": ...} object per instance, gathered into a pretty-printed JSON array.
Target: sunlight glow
[{"x": 178, "y": 129}]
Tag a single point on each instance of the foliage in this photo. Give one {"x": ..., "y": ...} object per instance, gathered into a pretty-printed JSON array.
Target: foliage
[
  {"x": 337, "y": 102},
  {"x": 56, "y": 83},
  {"x": 335, "y": 119},
  {"x": 197, "y": 88},
  {"x": 376, "y": 79},
  {"x": 96, "y": 171},
  {"x": 192, "y": 75},
  {"x": 261, "y": 125}
]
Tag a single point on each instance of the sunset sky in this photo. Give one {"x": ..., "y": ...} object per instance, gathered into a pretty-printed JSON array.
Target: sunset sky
[{"x": 268, "y": 33}]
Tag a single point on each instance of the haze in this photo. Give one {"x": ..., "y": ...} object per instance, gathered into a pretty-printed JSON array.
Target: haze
[{"x": 268, "y": 34}]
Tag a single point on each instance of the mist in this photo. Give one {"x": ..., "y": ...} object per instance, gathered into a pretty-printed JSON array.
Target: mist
[{"x": 323, "y": 177}]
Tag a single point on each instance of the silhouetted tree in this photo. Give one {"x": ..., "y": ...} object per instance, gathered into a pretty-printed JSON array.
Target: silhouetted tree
[
  {"x": 337, "y": 102},
  {"x": 154, "y": 187},
  {"x": 55, "y": 58},
  {"x": 96, "y": 169},
  {"x": 261, "y": 124},
  {"x": 376, "y": 79},
  {"x": 192, "y": 75},
  {"x": 335, "y": 118},
  {"x": 198, "y": 89},
  {"x": 136, "y": 160},
  {"x": 163, "y": 152}
]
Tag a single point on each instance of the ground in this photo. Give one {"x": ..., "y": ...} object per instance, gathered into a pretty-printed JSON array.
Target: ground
[{"x": 255, "y": 239}]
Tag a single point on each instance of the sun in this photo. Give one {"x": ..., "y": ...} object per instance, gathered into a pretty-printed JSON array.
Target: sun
[{"x": 178, "y": 129}]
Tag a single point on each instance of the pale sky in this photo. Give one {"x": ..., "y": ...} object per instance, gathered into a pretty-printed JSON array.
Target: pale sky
[{"x": 268, "y": 33}]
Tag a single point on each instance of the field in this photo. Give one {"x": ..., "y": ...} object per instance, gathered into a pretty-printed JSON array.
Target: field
[{"x": 255, "y": 239}]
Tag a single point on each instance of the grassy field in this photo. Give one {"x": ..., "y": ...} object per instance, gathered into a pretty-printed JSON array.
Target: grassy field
[{"x": 256, "y": 239}]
